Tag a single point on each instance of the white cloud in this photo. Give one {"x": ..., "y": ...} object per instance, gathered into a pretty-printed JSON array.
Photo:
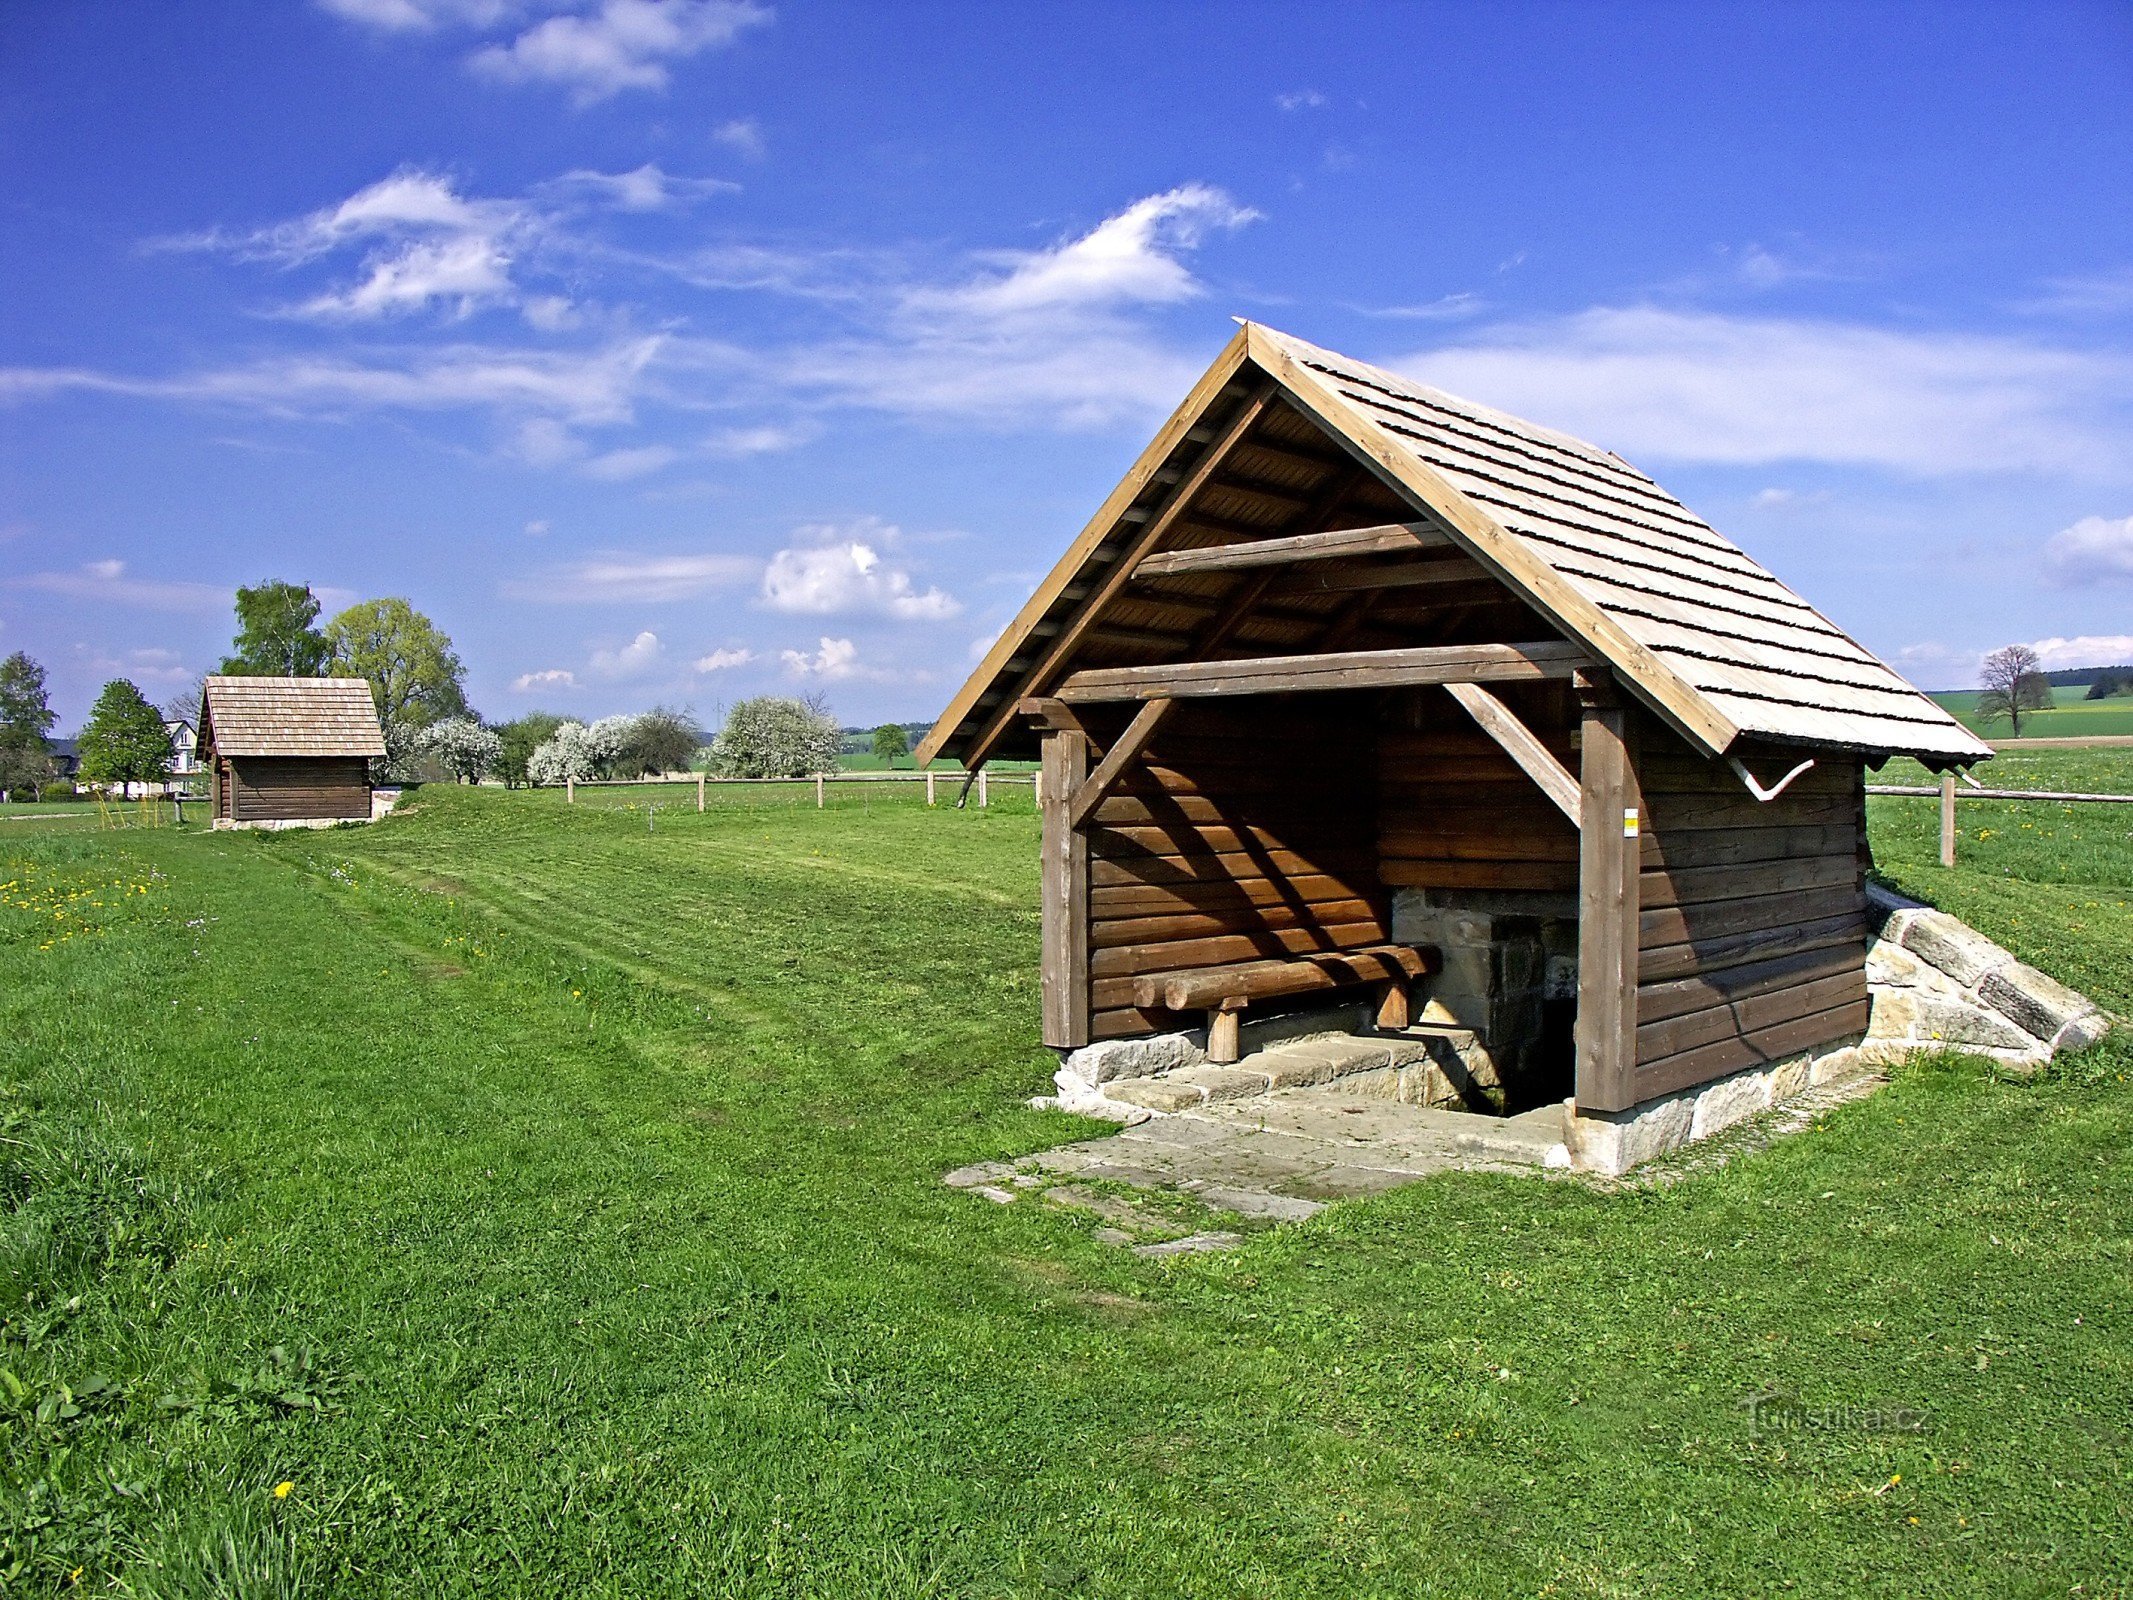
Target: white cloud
[
  {"x": 2093, "y": 550},
  {"x": 2100, "y": 294},
  {"x": 2086, "y": 650},
  {"x": 838, "y": 658},
  {"x": 644, "y": 188},
  {"x": 743, "y": 135},
  {"x": 764, "y": 439},
  {"x": 417, "y": 16},
  {"x": 721, "y": 660},
  {"x": 538, "y": 528},
  {"x": 617, "y": 465},
  {"x": 552, "y": 678},
  {"x": 1695, "y": 386},
  {"x": 621, "y": 44},
  {"x": 829, "y": 572},
  {"x": 632, "y": 660},
  {"x": 106, "y": 581},
  {"x": 467, "y": 272},
  {"x": 1049, "y": 336},
  {"x": 1300, "y": 100},
  {"x": 1445, "y": 308},
  {"x": 620, "y": 576}
]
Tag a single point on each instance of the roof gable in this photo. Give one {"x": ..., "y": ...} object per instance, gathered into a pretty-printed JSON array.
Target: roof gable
[
  {"x": 1703, "y": 634},
  {"x": 242, "y": 716}
]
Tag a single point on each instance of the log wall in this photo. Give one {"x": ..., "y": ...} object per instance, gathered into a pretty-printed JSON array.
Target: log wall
[
  {"x": 1751, "y": 940},
  {"x": 293, "y": 788},
  {"x": 1246, "y": 830}
]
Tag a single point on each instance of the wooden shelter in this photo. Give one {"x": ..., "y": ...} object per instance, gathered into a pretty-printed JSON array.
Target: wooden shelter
[
  {"x": 1340, "y": 642},
  {"x": 289, "y": 750}
]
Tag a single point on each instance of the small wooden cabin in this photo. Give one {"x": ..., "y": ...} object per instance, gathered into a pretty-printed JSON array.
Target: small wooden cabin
[
  {"x": 289, "y": 751},
  {"x": 1342, "y": 650}
]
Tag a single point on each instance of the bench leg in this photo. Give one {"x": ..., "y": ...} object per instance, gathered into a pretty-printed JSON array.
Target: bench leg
[
  {"x": 1223, "y": 1040},
  {"x": 1394, "y": 1009}
]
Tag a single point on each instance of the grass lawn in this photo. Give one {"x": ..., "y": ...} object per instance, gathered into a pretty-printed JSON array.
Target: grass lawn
[
  {"x": 547, "y": 1200},
  {"x": 2071, "y": 717}
]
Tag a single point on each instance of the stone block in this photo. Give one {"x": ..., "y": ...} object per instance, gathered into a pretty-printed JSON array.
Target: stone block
[
  {"x": 1954, "y": 947},
  {"x": 1191, "y": 1244},
  {"x": 2082, "y": 1032},
  {"x": 1831, "y": 1065},
  {"x": 1888, "y": 912},
  {"x": 1614, "y": 1144},
  {"x": 1730, "y": 1100},
  {"x": 1112, "y": 1059},
  {"x": 2034, "y": 1003},
  {"x": 1222, "y": 1083},
  {"x": 983, "y": 1172},
  {"x": 1895, "y": 1013},
  {"x": 1157, "y": 1094},
  {"x": 1890, "y": 965},
  {"x": 1789, "y": 1077},
  {"x": 1948, "y": 1023}
]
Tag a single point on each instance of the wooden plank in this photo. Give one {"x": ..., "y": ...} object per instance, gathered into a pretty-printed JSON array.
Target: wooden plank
[
  {"x": 1608, "y": 887},
  {"x": 1406, "y": 575},
  {"x": 1690, "y": 813},
  {"x": 1519, "y": 743},
  {"x": 1700, "y": 991},
  {"x": 1123, "y": 750},
  {"x": 1696, "y": 885},
  {"x": 1216, "y": 838},
  {"x": 1103, "y": 525},
  {"x": 1713, "y": 847},
  {"x": 1539, "y": 875},
  {"x": 1106, "y": 932},
  {"x": 1337, "y": 544},
  {"x": 1353, "y": 669},
  {"x": 1064, "y": 895},
  {"x": 1660, "y": 927},
  {"x": 1134, "y": 866},
  {"x": 1223, "y": 949},
  {"x": 1261, "y": 980},
  {"x": 1119, "y": 894},
  {"x": 1750, "y": 1014},
  {"x": 1758, "y": 1048},
  {"x": 1665, "y": 962}
]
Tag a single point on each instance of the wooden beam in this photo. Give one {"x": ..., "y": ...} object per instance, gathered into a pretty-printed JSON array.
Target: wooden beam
[
  {"x": 1353, "y": 669},
  {"x": 1534, "y": 759},
  {"x": 1039, "y": 677},
  {"x": 1386, "y": 538},
  {"x": 1609, "y": 859},
  {"x": 1407, "y": 575},
  {"x": 1064, "y": 895},
  {"x": 1047, "y": 712},
  {"x": 1121, "y": 755}
]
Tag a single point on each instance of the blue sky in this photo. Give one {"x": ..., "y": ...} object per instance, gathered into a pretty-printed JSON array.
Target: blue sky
[{"x": 677, "y": 350}]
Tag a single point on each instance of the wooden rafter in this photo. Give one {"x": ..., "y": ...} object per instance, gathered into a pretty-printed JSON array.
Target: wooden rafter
[
  {"x": 1384, "y": 539},
  {"x": 1353, "y": 669},
  {"x": 1519, "y": 743},
  {"x": 1123, "y": 752}
]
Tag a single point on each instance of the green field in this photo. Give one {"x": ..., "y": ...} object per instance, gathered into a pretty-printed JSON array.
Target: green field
[
  {"x": 2071, "y": 717},
  {"x": 548, "y": 1198}
]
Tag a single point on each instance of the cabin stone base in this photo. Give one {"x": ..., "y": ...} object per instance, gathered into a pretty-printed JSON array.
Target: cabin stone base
[{"x": 280, "y": 824}]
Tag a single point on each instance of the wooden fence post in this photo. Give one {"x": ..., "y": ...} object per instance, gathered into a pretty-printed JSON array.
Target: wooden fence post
[
  {"x": 570, "y": 790},
  {"x": 1036, "y": 788},
  {"x": 1947, "y": 818},
  {"x": 1610, "y": 857},
  {"x": 929, "y": 786},
  {"x": 699, "y": 791},
  {"x": 1063, "y": 894},
  {"x": 982, "y": 802},
  {"x": 818, "y": 791}
]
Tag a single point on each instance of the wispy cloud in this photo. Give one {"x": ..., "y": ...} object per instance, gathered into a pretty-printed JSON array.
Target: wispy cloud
[
  {"x": 620, "y": 576},
  {"x": 107, "y": 581},
  {"x": 723, "y": 660},
  {"x": 2094, "y": 294},
  {"x": 837, "y": 571},
  {"x": 836, "y": 659},
  {"x": 2093, "y": 550},
  {"x": 1699, "y": 386},
  {"x": 763, "y": 439},
  {"x": 644, "y": 188},
  {"x": 743, "y": 136},
  {"x": 617, "y": 45}
]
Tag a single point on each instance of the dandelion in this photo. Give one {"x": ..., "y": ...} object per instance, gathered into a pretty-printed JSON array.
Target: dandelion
[{"x": 282, "y": 1489}]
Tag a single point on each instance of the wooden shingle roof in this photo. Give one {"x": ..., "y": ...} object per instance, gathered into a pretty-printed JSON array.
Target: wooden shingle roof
[
  {"x": 1706, "y": 636},
  {"x": 291, "y": 717}
]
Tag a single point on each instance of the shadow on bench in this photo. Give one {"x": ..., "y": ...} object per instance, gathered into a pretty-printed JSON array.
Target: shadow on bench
[{"x": 1224, "y": 992}]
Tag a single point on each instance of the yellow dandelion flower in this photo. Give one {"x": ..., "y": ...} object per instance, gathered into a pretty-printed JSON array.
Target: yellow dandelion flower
[{"x": 282, "y": 1489}]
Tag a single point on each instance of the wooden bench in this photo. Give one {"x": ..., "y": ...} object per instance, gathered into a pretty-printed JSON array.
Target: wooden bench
[{"x": 1223, "y": 992}]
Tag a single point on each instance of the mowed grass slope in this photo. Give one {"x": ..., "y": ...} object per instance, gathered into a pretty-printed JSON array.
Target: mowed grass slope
[
  {"x": 549, "y": 1198},
  {"x": 2071, "y": 715}
]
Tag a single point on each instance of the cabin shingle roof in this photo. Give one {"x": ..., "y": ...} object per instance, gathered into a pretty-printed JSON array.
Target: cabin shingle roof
[{"x": 291, "y": 717}]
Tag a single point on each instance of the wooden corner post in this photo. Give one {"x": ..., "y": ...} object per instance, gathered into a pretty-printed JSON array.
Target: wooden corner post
[
  {"x": 1065, "y": 892},
  {"x": 1610, "y": 855}
]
